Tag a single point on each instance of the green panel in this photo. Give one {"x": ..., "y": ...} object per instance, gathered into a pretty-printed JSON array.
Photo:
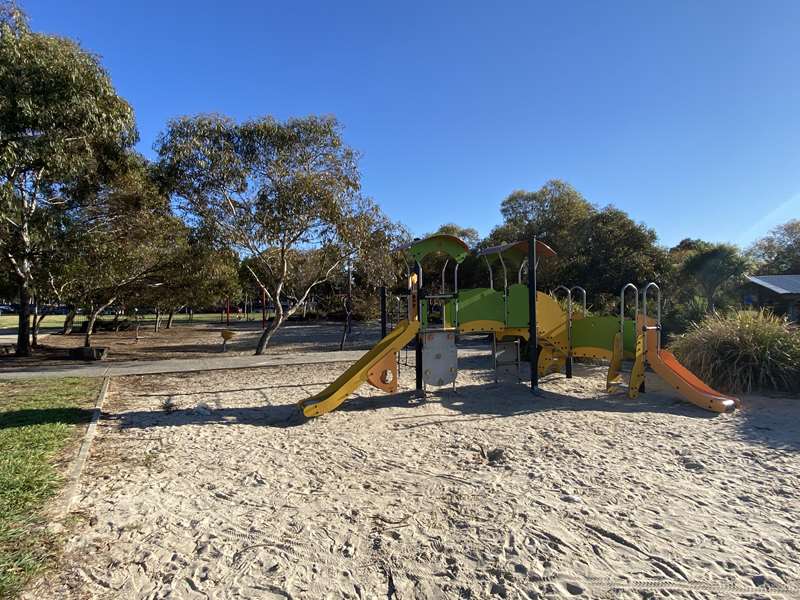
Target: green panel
[
  {"x": 480, "y": 304},
  {"x": 599, "y": 332},
  {"x": 453, "y": 247},
  {"x": 423, "y": 304},
  {"x": 518, "y": 305},
  {"x": 450, "y": 313}
]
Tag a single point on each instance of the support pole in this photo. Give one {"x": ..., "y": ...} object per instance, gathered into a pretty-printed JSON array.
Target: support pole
[
  {"x": 533, "y": 336},
  {"x": 418, "y": 349},
  {"x": 383, "y": 311},
  {"x": 227, "y": 312}
]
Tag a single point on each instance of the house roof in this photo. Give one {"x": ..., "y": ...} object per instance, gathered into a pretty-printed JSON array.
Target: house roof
[{"x": 780, "y": 284}]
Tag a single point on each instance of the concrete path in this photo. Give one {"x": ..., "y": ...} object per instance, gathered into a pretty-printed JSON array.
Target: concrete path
[
  {"x": 11, "y": 338},
  {"x": 182, "y": 365}
]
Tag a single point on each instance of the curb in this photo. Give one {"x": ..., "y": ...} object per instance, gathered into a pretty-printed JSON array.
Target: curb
[{"x": 73, "y": 480}]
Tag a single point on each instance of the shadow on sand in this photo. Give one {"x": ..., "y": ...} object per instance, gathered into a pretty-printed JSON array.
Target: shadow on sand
[{"x": 469, "y": 402}]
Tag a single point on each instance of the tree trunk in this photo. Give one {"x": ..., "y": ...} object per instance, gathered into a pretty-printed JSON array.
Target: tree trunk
[
  {"x": 24, "y": 327},
  {"x": 87, "y": 342},
  {"x": 37, "y": 322},
  {"x": 69, "y": 320},
  {"x": 267, "y": 334},
  {"x": 170, "y": 317},
  {"x": 158, "y": 320}
]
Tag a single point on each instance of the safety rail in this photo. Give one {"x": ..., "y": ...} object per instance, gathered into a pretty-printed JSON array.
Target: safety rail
[
  {"x": 657, "y": 326},
  {"x": 583, "y": 293},
  {"x": 625, "y": 288}
]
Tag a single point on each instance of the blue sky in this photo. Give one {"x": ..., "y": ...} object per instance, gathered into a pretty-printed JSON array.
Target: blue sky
[{"x": 684, "y": 114}]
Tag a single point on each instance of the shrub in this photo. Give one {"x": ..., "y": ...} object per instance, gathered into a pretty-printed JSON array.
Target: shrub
[{"x": 742, "y": 351}]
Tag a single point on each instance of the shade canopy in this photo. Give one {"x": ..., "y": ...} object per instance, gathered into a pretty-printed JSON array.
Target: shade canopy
[
  {"x": 441, "y": 243},
  {"x": 517, "y": 251}
]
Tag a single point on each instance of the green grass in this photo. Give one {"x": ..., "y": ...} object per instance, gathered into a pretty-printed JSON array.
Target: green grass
[{"x": 39, "y": 419}]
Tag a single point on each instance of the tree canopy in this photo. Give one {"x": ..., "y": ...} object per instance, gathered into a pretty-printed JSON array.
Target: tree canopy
[
  {"x": 286, "y": 194},
  {"x": 61, "y": 123},
  {"x": 778, "y": 253},
  {"x": 715, "y": 267}
]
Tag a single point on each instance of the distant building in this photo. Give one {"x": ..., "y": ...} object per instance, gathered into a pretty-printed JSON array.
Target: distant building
[{"x": 779, "y": 293}]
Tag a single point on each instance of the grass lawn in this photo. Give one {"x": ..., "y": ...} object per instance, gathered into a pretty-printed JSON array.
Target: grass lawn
[{"x": 39, "y": 421}]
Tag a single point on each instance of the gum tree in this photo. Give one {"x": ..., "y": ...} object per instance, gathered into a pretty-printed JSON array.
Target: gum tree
[
  {"x": 60, "y": 121},
  {"x": 283, "y": 194},
  {"x": 120, "y": 241}
]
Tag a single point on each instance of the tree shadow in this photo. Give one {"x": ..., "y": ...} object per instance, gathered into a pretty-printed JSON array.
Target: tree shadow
[
  {"x": 469, "y": 402},
  {"x": 234, "y": 390},
  {"x": 770, "y": 422},
  {"x": 503, "y": 400},
  {"x": 30, "y": 417}
]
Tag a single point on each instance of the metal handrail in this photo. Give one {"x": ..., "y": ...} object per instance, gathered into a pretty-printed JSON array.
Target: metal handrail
[
  {"x": 505, "y": 274},
  {"x": 622, "y": 309},
  {"x": 583, "y": 292},
  {"x": 519, "y": 273},
  {"x": 491, "y": 279},
  {"x": 645, "y": 326},
  {"x": 444, "y": 268}
]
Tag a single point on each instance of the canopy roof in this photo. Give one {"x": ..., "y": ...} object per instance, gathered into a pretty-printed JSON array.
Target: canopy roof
[
  {"x": 444, "y": 243},
  {"x": 517, "y": 251},
  {"x": 780, "y": 284}
]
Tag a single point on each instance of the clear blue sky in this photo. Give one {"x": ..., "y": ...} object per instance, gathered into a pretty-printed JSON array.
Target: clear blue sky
[{"x": 684, "y": 114}]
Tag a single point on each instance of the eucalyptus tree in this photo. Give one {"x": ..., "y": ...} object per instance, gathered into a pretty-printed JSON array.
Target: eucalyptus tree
[
  {"x": 122, "y": 241},
  {"x": 778, "y": 253},
  {"x": 284, "y": 194},
  {"x": 60, "y": 121}
]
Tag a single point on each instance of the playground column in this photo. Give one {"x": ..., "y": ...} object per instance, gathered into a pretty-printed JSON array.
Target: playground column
[
  {"x": 383, "y": 311},
  {"x": 418, "y": 348},
  {"x": 533, "y": 336}
]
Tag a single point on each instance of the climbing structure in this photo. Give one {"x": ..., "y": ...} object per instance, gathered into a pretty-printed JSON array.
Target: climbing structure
[{"x": 433, "y": 322}]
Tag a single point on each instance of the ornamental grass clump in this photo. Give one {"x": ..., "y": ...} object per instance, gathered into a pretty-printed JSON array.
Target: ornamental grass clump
[{"x": 743, "y": 351}]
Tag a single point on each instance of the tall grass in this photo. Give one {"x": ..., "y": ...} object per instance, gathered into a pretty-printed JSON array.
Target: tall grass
[{"x": 742, "y": 351}]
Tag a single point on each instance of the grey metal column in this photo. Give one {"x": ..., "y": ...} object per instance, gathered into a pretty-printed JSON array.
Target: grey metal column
[
  {"x": 533, "y": 336},
  {"x": 418, "y": 349}
]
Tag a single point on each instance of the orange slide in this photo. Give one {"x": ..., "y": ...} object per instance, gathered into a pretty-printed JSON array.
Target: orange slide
[{"x": 691, "y": 387}]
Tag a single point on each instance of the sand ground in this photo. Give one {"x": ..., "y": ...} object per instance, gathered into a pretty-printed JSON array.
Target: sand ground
[{"x": 212, "y": 485}]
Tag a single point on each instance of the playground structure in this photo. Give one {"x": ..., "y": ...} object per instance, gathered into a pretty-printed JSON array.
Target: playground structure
[{"x": 512, "y": 314}]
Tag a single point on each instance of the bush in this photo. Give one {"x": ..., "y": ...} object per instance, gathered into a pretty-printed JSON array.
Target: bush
[
  {"x": 678, "y": 317},
  {"x": 742, "y": 351}
]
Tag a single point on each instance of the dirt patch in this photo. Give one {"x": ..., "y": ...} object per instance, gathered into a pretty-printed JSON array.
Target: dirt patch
[{"x": 195, "y": 341}]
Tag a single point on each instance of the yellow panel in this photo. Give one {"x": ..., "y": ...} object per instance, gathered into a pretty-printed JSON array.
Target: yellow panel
[
  {"x": 637, "y": 372},
  {"x": 614, "y": 377},
  {"x": 481, "y": 326}
]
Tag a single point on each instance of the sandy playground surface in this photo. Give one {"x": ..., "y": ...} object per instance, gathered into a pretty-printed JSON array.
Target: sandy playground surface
[{"x": 210, "y": 485}]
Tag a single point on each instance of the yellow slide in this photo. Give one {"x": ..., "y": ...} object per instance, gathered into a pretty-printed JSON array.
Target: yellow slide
[
  {"x": 691, "y": 387},
  {"x": 358, "y": 374}
]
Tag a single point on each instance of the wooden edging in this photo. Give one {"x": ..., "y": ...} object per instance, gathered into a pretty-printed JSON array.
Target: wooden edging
[{"x": 73, "y": 480}]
